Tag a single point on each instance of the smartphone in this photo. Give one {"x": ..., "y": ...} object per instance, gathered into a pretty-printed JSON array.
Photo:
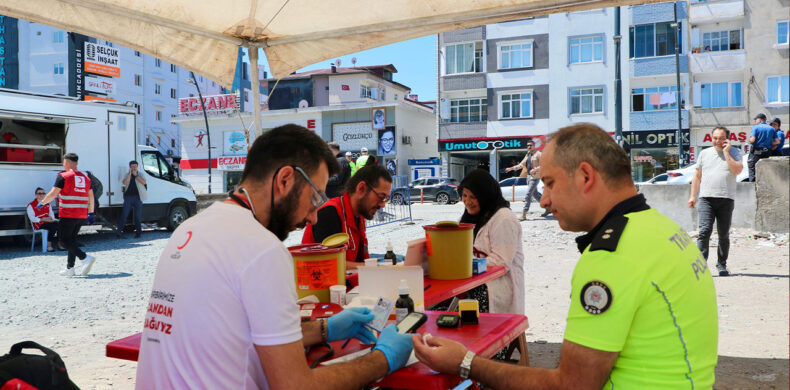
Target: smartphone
[{"x": 411, "y": 322}]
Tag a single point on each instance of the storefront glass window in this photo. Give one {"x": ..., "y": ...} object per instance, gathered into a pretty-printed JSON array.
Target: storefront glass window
[
  {"x": 646, "y": 163},
  {"x": 232, "y": 179}
]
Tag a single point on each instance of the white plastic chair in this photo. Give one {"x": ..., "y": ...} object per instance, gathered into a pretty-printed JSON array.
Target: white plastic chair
[{"x": 44, "y": 236}]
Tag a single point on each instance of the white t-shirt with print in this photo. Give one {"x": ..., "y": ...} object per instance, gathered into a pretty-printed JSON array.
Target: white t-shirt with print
[{"x": 223, "y": 284}]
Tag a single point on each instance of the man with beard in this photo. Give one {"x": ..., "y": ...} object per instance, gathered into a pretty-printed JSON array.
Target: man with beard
[
  {"x": 366, "y": 192},
  {"x": 222, "y": 312}
]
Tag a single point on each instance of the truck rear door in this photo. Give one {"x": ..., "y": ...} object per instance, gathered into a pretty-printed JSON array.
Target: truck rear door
[{"x": 122, "y": 149}]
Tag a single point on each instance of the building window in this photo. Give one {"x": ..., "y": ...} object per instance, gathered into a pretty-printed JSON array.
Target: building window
[
  {"x": 781, "y": 32},
  {"x": 777, "y": 89},
  {"x": 243, "y": 71},
  {"x": 585, "y": 49},
  {"x": 514, "y": 55},
  {"x": 157, "y": 89},
  {"x": 364, "y": 91},
  {"x": 722, "y": 40},
  {"x": 725, "y": 94},
  {"x": 586, "y": 100},
  {"x": 57, "y": 36},
  {"x": 172, "y": 93},
  {"x": 516, "y": 105},
  {"x": 138, "y": 80},
  {"x": 653, "y": 99},
  {"x": 463, "y": 58},
  {"x": 136, "y": 53},
  {"x": 468, "y": 110},
  {"x": 655, "y": 39},
  {"x": 382, "y": 93},
  {"x": 158, "y": 115},
  {"x": 57, "y": 68},
  {"x": 157, "y": 62},
  {"x": 172, "y": 68}
]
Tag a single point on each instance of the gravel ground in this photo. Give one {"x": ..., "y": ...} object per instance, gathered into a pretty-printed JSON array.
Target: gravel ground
[{"x": 78, "y": 316}]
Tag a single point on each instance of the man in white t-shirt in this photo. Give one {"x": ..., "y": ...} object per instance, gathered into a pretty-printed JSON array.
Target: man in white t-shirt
[
  {"x": 222, "y": 312},
  {"x": 717, "y": 168}
]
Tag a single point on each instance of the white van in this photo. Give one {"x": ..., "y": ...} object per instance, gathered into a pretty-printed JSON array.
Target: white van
[{"x": 37, "y": 130}]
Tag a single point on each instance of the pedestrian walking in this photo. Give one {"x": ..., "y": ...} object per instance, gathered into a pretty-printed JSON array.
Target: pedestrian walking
[
  {"x": 337, "y": 183},
  {"x": 714, "y": 180},
  {"x": 134, "y": 193},
  {"x": 530, "y": 168},
  {"x": 776, "y": 123},
  {"x": 763, "y": 139},
  {"x": 76, "y": 207},
  {"x": 43, "y": 218}
]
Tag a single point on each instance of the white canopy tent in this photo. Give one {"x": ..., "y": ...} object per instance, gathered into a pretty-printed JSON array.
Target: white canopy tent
[{"x": 204, "y": 35}]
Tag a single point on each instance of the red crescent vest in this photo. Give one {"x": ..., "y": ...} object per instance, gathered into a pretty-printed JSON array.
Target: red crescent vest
[
  {"x": 357, "y": 239},
  {"x": 74, "y": 195},
  {"x": 44, "y": 212}
]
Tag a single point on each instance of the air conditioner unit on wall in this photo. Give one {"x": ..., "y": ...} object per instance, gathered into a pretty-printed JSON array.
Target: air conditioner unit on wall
[{"x": 406, "y": 140}]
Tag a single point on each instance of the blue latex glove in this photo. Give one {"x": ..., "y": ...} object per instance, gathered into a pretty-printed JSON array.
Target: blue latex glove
[
  {"x": 396, "y": 347},
  {"x": 349, "y": 323},
  {"x": 91, "y": 218},
  {"x": 39, "y": 206}
]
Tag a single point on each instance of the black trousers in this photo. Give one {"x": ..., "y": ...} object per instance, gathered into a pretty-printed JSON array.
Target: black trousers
[
  {"x": 720, "y": 211},
  {"x": 756, "y": 155},
  {"x": 51, "y": 228},
  {"x": 69, "y": 228}
]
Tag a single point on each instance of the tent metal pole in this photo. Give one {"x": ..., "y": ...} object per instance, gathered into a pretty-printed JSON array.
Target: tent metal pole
[{"x": 256, "y": 89}]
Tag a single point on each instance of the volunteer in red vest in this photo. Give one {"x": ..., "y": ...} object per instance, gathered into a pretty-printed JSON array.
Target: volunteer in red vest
[
  {"x": 366, "y": 192},
  {"x": 75, "y": 207},
  {"x": 43, "y": 218}
]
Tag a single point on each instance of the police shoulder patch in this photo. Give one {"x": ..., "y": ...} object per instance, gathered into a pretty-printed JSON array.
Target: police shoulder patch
[
  {"x": 609, "y": 234},
  {"x": 596, "y": 297}
]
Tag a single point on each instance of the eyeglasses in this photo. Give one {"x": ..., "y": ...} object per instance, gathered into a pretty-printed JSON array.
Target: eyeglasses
[
  {"x": 530, "y": 145},
  {"x": 383, "y": 197},
  {"x": 317, "y": 197},
  {"x": 41, "y": 193}
]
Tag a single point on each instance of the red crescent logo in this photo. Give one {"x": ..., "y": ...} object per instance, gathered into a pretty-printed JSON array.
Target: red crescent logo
[{"x": 188, "y": 238}]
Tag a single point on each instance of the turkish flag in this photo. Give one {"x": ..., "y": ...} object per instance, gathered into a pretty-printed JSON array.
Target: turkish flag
[{"x": 344, "y": 87}]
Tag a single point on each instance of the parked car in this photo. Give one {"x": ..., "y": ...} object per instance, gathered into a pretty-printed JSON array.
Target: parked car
[
  {"x": 515, "y": 188},
  {"x": 441, "y": 190},
  {"x": 685, "y": 174}
]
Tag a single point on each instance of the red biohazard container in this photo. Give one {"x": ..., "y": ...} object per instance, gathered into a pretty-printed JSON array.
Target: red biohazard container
[{"x": 317, "y": 268}]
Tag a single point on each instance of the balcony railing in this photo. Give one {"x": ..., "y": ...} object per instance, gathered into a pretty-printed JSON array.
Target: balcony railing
[
  {"x": 717, "y": 61},
  {"x": 715, "y": 11}
]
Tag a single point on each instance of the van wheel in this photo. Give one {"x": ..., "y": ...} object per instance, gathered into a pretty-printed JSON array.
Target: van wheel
[
  {"x": 178, "y": 214},
  {"x": 442, "y": 198}
]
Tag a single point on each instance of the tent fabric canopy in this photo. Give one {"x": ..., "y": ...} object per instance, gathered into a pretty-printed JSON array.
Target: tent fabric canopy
[{"x": 204, "y": 35}]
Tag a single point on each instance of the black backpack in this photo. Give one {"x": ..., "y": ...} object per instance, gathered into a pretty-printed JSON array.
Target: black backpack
[
  {"x": 96, "y": 186},
  {"x": 42, "y": 372}
]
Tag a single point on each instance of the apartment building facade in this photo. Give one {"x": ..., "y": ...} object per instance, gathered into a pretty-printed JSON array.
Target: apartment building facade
[
  {"x": 739, "y": 65},
  {"x": 44, "y": 59}
]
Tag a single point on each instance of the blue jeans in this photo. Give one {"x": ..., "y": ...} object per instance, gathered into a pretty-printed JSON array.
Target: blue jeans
[
  {"x": 532, "y": 192},
  {"x": 719, "y": 209},
  {"x": 128, "y": 203}
]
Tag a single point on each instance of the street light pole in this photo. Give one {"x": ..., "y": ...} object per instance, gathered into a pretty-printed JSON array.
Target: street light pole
[
  {"x": 677, "y": 81},
  {"x": 208, "y": 135},
  {"x": 618, "y": 86}
]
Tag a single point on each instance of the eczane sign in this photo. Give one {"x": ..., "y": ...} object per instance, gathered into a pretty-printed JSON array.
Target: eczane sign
[{"x": 216, "y": 104}]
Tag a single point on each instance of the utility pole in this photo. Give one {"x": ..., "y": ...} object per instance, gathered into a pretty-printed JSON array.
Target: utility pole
[
  {"x": 676, "y": 27},
  {"x": 618, "y": 82},
  {"x": 208, "y": 135}
]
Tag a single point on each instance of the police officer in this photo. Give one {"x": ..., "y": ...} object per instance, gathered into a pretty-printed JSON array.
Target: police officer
[
  {"x": 763, "y": 139},
  {"x": 75, "y": 208},
  {"x": 643, "y": 306}
]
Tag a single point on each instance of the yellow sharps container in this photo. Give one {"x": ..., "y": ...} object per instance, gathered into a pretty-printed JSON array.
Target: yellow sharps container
[
  {"x": 449, "y": 248},
  {"x": 316, "y": 268}
]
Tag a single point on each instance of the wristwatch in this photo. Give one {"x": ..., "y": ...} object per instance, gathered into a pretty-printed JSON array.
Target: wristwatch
[{"x": 466, "y": 365}]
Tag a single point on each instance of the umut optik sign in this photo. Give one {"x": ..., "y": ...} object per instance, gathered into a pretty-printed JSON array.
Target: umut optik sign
[{"x": 471, "y": 144}]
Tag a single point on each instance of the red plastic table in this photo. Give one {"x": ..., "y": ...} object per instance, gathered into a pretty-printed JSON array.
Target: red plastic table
[
  {"x": 491, "y": 334},
  {"x": 437, "y": 291}
]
